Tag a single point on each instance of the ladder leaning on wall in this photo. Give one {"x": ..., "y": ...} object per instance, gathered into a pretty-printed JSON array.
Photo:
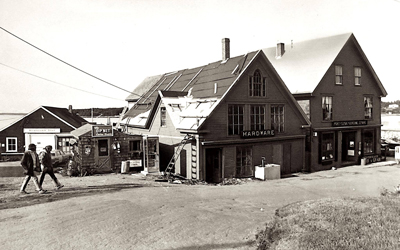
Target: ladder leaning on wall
[{"x": 171, "y": 164}]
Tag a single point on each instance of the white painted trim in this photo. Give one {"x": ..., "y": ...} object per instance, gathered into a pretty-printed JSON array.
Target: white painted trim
[
  {"x": 58, "y": 118},
  {"x": 16, "y": 144}
]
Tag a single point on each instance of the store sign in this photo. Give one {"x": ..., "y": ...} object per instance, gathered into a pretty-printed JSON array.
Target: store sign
[
  {"x": 257, "y": 133},
  {"x": 348, "y": 123},
  {"x": 42, "y": 130},
  {"x": 102, "y": 131}
]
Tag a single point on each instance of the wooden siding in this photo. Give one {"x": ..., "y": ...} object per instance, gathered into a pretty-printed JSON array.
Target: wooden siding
[{"x": 38, "y": 119}]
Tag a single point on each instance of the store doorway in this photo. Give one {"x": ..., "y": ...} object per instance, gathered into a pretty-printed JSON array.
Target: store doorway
[
  {"x": 213, "y": 165},
  {"x": 102, "y": 155},
  {"x": 348, "y": 146}
]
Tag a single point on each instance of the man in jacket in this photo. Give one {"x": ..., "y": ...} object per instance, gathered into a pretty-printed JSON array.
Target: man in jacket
[
  {"x": 30, "y": 163},
  {"x": 47, "y": 166}
]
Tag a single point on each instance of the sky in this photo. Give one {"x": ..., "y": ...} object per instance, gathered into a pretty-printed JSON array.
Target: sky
[{"x": 122, "y": 42}]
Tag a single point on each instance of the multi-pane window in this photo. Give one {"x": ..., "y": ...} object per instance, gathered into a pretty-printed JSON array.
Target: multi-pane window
[
  {"x": 163, "y": 117},
  {"x": 64, "y": 144},
  {"x": 235, "y": 119},
  {"x": 11, "y": 144},
  {"x": 257, "y": 117},
  {"x": 257, "y": 84},
  {"x": 368, "y": 107},
  {"x": 134, "y": 145},
  {"x": 338, "y": 74},
  {"x": 278, "y": 118},
  {"x": 103, "y": 147},
  {"x": 368, "y": 142},
  {"x": 327, "y": 146},
  {"x": 357, "y": 76},
  {"x": 244, "y": 163},
  {"x": 327, "y": 108}
]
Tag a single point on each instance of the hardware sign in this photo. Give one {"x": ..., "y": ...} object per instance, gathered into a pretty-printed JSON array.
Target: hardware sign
[{"x": 257, "y": 133}]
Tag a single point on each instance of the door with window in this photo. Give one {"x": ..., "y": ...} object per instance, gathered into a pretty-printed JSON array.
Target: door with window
[
  {"x": 244, "y": 161},
  {"x": 102, "y": 154},
  {"x": 348, "y": 146}
]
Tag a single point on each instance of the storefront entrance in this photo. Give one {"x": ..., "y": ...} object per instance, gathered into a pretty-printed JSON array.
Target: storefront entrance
[
  {"x": 102, "y": 154},
  {"x": 349, "y": 146},
  {"x": 213, "y": 165}
]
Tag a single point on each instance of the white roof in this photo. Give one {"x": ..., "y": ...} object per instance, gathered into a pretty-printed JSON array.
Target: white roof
[{"x": 188, "y": 112}]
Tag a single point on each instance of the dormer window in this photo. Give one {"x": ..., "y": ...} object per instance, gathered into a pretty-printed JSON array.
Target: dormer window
[
  {"x": 257, "y": 84},
  {"x": 163, "y": 117}
]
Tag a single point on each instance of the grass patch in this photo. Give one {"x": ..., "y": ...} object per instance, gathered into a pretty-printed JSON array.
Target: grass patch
[{"x": 362, "y": 223}]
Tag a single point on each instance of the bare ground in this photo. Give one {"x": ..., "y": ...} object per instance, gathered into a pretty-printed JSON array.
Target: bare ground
[{"x": 117, "y": 211}]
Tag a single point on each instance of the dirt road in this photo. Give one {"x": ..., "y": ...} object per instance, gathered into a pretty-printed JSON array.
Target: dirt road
[{"x": 127, "y": 212}]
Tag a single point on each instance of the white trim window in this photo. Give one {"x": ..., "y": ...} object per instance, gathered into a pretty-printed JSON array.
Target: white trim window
[
  {"x": 163, "y": 117},
  {"x": 368, "y": 106},
  {"x": 257, "y": 117},
  {"x": 257, "y": 84},
  {"x": 278, "y": 118},
  {"x": 327, "y": 108},
  {"x": 357, "y": 76},
  {"x": 11, "y": 144},
  {"x": 235, "y": 119},
  {"x": 338, "y": 74}
]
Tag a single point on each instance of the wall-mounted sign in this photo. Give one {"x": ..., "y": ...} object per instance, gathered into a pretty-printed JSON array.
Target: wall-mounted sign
[
  {"x": 257, "y": 133},
  {"x": 42, "y": 130},
  {"x": 102, "y": 131},
  {"x": 349, "y": 123},
  {"x": 88, "y": 149}
]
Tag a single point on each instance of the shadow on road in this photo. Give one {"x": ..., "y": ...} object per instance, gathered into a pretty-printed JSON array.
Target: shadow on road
[
  {"x": 33, "y": 198},
  {"x": 236, "y": 245}
]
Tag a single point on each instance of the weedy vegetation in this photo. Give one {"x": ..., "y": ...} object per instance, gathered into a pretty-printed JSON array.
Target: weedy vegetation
[{"x": 352, "y": 223}]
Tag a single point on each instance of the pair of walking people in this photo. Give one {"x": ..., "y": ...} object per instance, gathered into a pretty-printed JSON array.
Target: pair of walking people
[{"x": 32, "y": 162}]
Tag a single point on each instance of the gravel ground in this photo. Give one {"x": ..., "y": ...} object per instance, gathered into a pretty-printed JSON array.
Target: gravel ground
[{"x": 115, "y": 211}]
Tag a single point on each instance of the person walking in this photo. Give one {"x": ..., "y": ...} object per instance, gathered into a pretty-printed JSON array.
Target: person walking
[
  {"x": 47, "y": 166},
  {"x": 30, "y": 163}
]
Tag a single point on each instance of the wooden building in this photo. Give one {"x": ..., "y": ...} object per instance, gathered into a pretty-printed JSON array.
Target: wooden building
[
  {"x": 42, "y": 126},
  {"x": 225, "y": 116},
  {"x": 335, "y": 84},
  {"x": 101, "y": 149}
]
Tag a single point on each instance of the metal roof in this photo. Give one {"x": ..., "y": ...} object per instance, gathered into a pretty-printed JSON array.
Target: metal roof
[
  {"x": 209, "y": 81},
  {"x": 143, "y": 87},
  {"x": 303, "y": 65}
]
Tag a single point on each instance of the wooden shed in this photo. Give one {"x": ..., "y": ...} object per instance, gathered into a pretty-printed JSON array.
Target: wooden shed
[{"x": 102, "y": 149}]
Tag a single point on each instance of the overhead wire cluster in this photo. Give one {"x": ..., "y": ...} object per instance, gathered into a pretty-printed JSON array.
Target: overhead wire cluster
[{"x": 66, "y": 64}]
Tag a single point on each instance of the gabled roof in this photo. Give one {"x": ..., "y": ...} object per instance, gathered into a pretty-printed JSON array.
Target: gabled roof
[
  {"x": 190, "y": 96},
  {"x": 303, "y": 66},
  {"x": 64, "y": 115},
  {"x": 209, "y": 81},
  {"x": 72, "y": 120}
]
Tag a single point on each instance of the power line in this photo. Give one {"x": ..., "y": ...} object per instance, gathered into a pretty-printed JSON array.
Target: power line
[
  {"x": 58, "y": 82},
  {"x": 67, "y": 63}
]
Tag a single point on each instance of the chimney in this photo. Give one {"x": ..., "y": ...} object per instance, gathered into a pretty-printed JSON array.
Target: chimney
[
  {"x": 225, "y": 49},
  {"x": 70, "y": 108},
  {"x": 280, "y": 50}
]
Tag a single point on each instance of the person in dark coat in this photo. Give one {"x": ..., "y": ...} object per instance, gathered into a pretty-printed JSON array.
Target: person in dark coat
[
  {"x": 47, "y": 166},
  {"x": 30, "y": 163}
]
